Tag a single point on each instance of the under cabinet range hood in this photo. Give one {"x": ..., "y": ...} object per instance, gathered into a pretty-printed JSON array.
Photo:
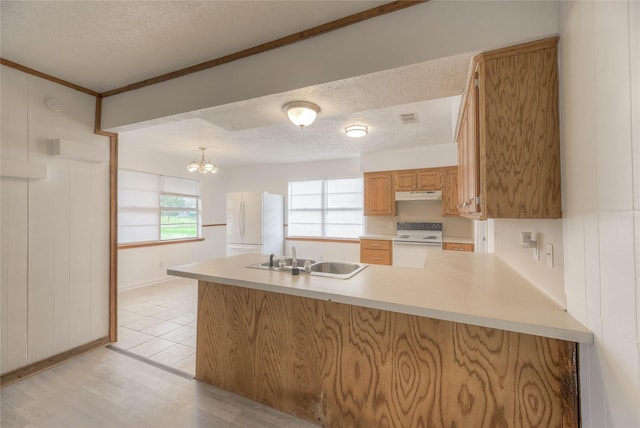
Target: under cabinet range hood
[{"x": 419, "y": 195}]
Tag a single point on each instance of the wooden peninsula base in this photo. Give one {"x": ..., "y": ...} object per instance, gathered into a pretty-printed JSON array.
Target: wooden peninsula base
[{"x": 348, "y": 366}]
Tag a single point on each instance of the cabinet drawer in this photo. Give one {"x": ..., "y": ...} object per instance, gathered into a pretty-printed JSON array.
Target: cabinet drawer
[
  {"x": 375, "y": 244},
  {"x": 377, "y": 257},
  {"x": 456, "y": 246}
]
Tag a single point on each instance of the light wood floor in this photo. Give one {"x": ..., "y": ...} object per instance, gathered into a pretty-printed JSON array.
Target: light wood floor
[{"x": 105, "y": 388}]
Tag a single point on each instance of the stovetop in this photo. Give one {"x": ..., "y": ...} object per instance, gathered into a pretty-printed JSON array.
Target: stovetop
[{"x": 428, "y": 233}]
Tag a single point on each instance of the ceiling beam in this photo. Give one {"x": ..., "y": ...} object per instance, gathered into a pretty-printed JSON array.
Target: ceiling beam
[
  {"x": 274, "y": 44},
  {"x": 48, "y": 77}
]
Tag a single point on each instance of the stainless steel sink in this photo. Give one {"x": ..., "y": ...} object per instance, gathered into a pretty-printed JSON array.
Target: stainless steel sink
[
  {"x": 326, "y": 268},
  {"x": 332, "y": 269},
  {"x": 287, "y": 263}
]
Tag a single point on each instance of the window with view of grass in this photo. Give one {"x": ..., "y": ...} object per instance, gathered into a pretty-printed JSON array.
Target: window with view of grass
[
  {"x": 330, "y": 208},
  {"x": 154, "y": 207},
  {"x": 178, "y": 216}
]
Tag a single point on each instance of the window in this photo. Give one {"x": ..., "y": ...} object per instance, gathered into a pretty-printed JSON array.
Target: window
[
  {"x": 330, "y": 208},
  {"x": 178, "y": 216},
  {"x": 154, "y": 207}
]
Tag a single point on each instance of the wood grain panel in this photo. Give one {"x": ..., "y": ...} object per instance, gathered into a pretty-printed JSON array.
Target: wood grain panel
[
  {"x": 341, "y": 365},
  {"x": 521, "y": 124}
]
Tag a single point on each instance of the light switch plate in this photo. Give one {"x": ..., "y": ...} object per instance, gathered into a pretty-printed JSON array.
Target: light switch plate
[{"x": 549, "y": 254}]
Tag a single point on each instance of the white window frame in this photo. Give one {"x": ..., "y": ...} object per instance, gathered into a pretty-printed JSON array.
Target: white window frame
[
  {"x": 139, "y": 205},
  {"x": 325, "y": 210}
]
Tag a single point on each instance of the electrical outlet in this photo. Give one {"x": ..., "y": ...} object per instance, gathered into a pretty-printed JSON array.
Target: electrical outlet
[{"x": 549, "y": 254}]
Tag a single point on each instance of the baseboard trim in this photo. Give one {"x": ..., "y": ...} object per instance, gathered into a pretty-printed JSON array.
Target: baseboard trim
[
  {"x": 155, "y": 281},
  {"x": 149, "y": 361},
  {"x": 37, "y": 367}
]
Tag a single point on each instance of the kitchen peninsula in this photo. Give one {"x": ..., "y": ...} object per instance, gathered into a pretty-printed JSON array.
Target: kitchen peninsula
[{"x": 464, "y": 341}]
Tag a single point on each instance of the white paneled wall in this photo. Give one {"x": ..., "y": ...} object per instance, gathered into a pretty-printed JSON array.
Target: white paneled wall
[
  {"x": 55, "y": 231},
  {"x": 600, "y": 116}
]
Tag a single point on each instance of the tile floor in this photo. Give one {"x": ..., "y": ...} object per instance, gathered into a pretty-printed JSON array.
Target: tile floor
[{"x": 159, "y": 322}]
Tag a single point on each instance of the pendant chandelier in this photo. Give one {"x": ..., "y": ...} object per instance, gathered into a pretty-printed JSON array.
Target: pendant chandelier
[{"x": 204, "y": 166}]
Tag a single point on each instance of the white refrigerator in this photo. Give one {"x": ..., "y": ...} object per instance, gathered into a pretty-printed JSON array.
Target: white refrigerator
[{"x": 255, "y": 223}]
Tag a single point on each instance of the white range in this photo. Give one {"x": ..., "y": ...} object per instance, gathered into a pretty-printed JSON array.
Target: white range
[{"x": 413, "y": 241}]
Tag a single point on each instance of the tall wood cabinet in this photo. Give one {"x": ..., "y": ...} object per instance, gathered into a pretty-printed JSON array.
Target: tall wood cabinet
[
  {"x": 379, "y": 198},
  {"x": 508, "y": 134}
]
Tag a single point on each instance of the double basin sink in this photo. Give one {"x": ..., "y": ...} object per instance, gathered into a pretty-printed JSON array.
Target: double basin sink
[{"x": 326, "y": 268}]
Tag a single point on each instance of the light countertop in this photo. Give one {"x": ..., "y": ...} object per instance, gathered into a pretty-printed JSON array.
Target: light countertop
[
  {"x": 457, "y": 239},
  {"x": 374, "y": 236},
  {"x": 471, "y": 288}
]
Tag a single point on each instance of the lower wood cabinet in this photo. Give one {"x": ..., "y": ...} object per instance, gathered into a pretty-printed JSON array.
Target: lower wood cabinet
[
  {"x": 457, "y": 246},
  {"x": 376, "y": 251},
  {"x": 340, "y": 365}
]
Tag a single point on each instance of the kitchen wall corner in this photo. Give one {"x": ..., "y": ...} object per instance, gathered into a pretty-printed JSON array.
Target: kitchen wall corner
[{"x": 504, "y": 237}]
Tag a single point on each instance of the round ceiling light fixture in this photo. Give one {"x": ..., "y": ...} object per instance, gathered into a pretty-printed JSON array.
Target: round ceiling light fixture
[
  {"x": 356, "y": 131},
  {"x": 301, "y": 113}
]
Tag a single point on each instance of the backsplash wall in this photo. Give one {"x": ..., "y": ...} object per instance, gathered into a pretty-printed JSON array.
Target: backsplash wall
[
  {"x": 504, "y": 236},
  {"x": 420, "y": 211}
]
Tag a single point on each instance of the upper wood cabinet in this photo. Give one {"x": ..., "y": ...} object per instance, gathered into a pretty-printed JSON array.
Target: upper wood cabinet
[
  {"x": 508, "y": 134},
  {"x": 418, "y": 179},
  {"x": 450, "y": 191},
  {"x": 379, "y": 198}
]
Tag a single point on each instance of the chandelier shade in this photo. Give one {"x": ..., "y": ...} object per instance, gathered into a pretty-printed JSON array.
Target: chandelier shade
[{"x": 204, "y": 166}]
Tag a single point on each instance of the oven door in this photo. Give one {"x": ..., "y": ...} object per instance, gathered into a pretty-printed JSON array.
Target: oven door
[{"x": 412, "y": 254}]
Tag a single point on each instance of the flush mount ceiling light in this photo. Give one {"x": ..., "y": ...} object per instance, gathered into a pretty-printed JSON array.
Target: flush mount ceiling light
[
  {"x": 301, "y": 113},
  {"x": 356, "y": 131},
  {"x": 204, "y": 166}
]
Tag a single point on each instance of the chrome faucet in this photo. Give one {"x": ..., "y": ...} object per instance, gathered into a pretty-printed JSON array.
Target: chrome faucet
[{"x": 294, "y": 260}]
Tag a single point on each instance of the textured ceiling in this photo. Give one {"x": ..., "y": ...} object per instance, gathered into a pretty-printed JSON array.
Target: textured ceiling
[{"x": 103, "y": 45}]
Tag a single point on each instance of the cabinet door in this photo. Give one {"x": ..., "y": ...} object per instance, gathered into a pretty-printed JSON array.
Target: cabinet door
[
  {"x": 405, "y": 181},
  {"x": 378, "y": 194},
  {"x": 429, "y": 179},
  {"x": 450, "y": 191},
  {"x": 469, "y": 155},
  {"x": 473, "y": 152}
]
